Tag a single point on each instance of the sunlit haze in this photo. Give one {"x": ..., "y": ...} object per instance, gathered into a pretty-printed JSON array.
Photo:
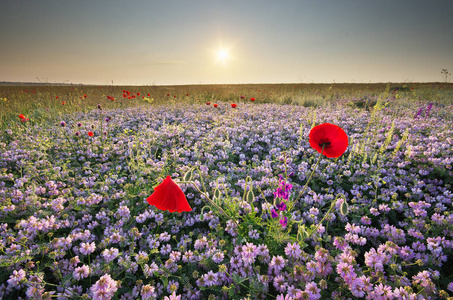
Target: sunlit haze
[{"x": 192, "y": 42}]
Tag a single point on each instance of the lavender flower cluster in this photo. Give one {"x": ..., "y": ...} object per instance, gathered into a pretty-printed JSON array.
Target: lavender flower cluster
[{"x": 75, "y": 223}]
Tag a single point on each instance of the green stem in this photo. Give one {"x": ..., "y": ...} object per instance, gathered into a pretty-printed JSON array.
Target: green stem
[
  {"x": 209, "y": 200},
  {"x": 246, "y": 287},
  {"x": 308, "y": 180},
  {"x": 325, "y": 216}
]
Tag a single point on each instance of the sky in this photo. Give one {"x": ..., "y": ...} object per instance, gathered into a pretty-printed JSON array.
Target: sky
[{"x": 170, "y": 42}]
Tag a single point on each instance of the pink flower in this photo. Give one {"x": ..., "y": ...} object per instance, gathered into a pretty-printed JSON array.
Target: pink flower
[
  {"x": 81, "y": 272},
  {"x": 105, "y": 288},
  {"x": 86, "y": 248}
]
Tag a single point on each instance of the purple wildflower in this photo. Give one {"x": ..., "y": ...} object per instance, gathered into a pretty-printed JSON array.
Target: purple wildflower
[{"x": 274, "y": 214}]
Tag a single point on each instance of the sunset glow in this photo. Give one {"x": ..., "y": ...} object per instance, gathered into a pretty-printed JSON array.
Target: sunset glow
[
  {"x": 222, "y": 55},
  {"x": 188, "y": 42}
]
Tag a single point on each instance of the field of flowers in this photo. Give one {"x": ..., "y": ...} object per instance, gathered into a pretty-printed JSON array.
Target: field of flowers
[{"x": 270, "y": 216}]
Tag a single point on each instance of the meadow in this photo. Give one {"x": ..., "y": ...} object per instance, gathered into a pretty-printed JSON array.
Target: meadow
[{"x": 271, "y": 217}]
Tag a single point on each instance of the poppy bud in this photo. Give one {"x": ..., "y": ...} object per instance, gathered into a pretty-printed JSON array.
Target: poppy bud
[
  {"x": 250, "y": 196},
  {"x": 344, "y": 208},
  {"x": 188, "y": 175}
]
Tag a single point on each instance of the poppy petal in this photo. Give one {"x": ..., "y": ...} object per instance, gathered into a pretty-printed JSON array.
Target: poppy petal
[
  {"x": 169, "y": 196},
  {"x": 332, "y": 137}
]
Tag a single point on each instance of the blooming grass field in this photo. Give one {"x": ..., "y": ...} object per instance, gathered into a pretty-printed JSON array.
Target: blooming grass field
[{"x": 270, "y": 216}]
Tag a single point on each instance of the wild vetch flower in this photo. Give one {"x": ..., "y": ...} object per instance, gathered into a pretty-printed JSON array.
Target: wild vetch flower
[
  {"x": 104, "y": 288},
  {"x": 428, "y": 108},
  {"x": 15, "y": 279},
  {"x": 242, "y": 97},
  {"x": 331, "y": 137},
  {"x": 281, "y": 206},
  {"x": 169, "y": 196},
  {"x": 293, "y": 250},
  {"x": 62, "y": 123},
  {"x": 77, "y": 133},
  {"x": 87, "y": 248},
  {"x": 208, "y": 103},
  {"x": 79, "y": 124},
  {"x": 99, "y": 106},
  {"x": 81, "y": 272},
  {"x": 284, "y": 221},
  {"x": 274, "y": 214},
  {"x": 110, "y": 254},
  {"x": 283, "y": 189},
  {"x": 173, "y": 297},
  {"x": 148, "y": 292},
  {"x": 418, "y": 113}
]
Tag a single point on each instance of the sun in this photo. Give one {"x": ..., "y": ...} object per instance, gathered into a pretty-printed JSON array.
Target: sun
[{"x": 222, "y": 55}]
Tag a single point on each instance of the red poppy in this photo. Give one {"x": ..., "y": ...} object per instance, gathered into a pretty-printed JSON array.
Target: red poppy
[
  {"x": 252, "y": 99},
  {"x": 84, "y": 96},
  {"x": 56, "y": 97},
  {"x": 64, "y": 102},
  {"x": 332, "y": 137},
  {"x": 168, "y": 94},
  {"x": 22, "y": 116},
  {"x": 149, "y": 95},
  {"x": 233, "y": 105},
  {"x": 175, "y": 96},
  {"x": 187, "y": 94},
  {"x": 215, "y": 105},
  {"x": 90, "y": 133},
  {"x": 169, "y": 196},
  {"x": 138, "y": 94},
  {"x": 208, "y": 103}
]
